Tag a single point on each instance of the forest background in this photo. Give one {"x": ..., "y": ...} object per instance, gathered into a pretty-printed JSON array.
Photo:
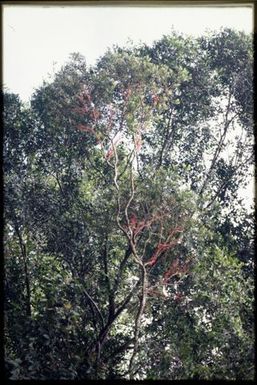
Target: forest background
[{"x": 128, "y": 248}]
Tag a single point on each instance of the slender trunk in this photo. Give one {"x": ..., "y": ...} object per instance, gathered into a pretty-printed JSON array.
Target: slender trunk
[
  {"x": 26, "y": 272},
  {"x": 107, "y": 279},
  {"x": 104, "y": 331},
  {"x": 27, "y": 283},
  {"x": 23, "y": 251},
  {"x": 141, "y": 309}
]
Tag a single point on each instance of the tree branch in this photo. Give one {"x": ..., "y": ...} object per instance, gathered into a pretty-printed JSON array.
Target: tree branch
[
  {"x": 107, "y": 279},
  {"x": 138, "y": 318},
  {"x": 90, "y": 299},
  {"x": 121, "y": 269},
  {"x": 25, "y": 260}
]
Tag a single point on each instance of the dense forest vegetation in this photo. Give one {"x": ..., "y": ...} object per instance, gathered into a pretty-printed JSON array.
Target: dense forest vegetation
[{"x": 128, "y": 250}]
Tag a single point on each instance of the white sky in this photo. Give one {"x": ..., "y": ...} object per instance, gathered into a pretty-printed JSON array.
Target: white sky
[{"x": 34, "y": 37}]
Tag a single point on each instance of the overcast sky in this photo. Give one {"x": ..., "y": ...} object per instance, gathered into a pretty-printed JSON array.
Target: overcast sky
[{"x": 36, "y": 37}]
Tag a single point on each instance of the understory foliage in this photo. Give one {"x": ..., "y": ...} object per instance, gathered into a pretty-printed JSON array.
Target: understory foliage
[{"x": 128, "y": 249}]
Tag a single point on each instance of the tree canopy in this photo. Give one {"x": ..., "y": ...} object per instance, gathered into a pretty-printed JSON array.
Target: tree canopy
[{"x": 128, "y": 250}]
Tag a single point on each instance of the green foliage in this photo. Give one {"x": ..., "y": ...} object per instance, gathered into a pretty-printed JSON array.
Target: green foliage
[{"x": 122, "y": 170}]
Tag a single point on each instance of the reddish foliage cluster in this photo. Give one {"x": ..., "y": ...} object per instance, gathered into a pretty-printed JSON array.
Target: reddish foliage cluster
[
  {"x": 81, "y": 110},
  {"x": 177, "y": 229},
  {"x": 109, "y": 154},
  {"x": 95, "y": 114},
  {"x": 155, "y": 99},
  {"x": 92, "y": 112},
  {"x": 84, "y": 128},
  {"x": 84, "y": 96},
  {"x": 137, "y": 226},
  {"x": 178, "y": 297},
  {"x": 153, "y": 292},
  {"x": 86, "y": 106},
  {"x": 162, "y": 247},
  {"x": 127, "y": 93},
  {"x": 133, "y": 222},
  {"x": 174, "y": 269},
  {"x": 138, "y": 141}
]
